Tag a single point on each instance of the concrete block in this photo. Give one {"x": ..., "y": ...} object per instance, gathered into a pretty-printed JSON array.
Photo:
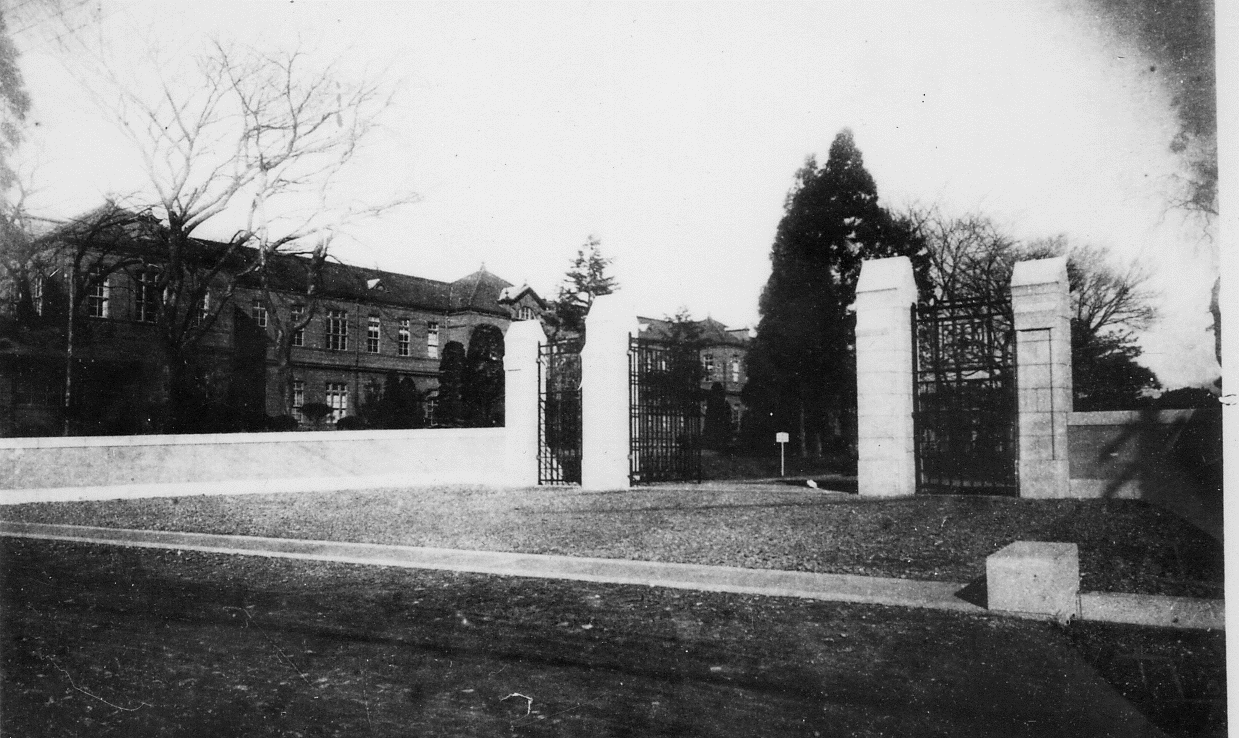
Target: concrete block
[
  {"x": 1035, "y": 578},
  {"x": 1045, "y": 478},
  {"x": 1034, "y": 376}
]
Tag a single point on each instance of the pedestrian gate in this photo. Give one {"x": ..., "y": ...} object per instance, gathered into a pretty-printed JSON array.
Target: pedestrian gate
[
  {"x": 965, "y": 402},
  {"x": 559, "y": 413},
  {"x": 665, "y": 397}
]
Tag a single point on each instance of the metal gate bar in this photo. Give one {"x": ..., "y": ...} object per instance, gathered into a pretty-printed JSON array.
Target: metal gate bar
[
  {"x": 559, "y": 413},
  {"x": 664, "y": 413},
  {"x": 966, "y": 407}
]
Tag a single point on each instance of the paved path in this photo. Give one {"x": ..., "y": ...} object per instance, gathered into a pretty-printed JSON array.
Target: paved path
[{"x": 1139, "y": 609}]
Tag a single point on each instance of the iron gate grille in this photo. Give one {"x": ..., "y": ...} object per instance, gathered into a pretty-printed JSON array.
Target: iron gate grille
[
  {"x": 559, "y": 413},
  {"x": 966, "y": 405},
  {"x": 664, "y": 413}
]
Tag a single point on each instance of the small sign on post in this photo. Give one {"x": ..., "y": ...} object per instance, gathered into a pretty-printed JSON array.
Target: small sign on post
[{"x": 781, "y": 439}]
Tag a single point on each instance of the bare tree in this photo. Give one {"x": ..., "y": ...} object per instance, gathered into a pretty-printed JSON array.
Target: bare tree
[
  {"x": 1105, "y": 297},
  {"x": 253, "y": 138},
  {"x": 970, "y": 257}
]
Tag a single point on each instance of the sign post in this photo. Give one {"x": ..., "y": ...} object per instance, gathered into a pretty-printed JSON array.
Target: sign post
[{"x": 781, "y": 439}]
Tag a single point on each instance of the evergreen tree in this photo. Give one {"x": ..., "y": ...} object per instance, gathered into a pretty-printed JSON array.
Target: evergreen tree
[
  {"x": 717, "y": 432},
  {"x": 586, "y": 279},
  {"x": 1104, "y": 372},
  {"x": 802, "y": 367},
  {"x": 482, "y": 392},
  {"x": 450, "y": 411},
  {"x": 411, "y": 409}
]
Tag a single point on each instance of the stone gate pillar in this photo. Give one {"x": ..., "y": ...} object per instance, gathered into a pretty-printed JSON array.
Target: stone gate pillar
[
  {"x": 1041, "y": 302},
  {"x": 521, "y": 388},
  {"x": 604, "y": 393},
  {"x": 885, "y": 294}
]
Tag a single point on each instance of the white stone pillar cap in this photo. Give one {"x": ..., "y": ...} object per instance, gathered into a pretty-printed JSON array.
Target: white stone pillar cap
[
  {"x": 610, "y": 313},
  {"x": 891, "y": 273},
  {"x": 525, "y": 331},
  {"x": 1038, "y": 271}
]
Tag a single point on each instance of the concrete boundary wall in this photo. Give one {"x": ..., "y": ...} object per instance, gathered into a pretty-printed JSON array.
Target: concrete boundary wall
[
  {"x": 332, "y": 458},
  {"x": 1171, "y": 458}
]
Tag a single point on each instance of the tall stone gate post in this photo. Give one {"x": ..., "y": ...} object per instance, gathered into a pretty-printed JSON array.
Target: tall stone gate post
[
  {"x": 520, "y": 412},
  {"x": 885, "y": 294},
  {"x": 604, "y": 393},
  {"x": 1041, "y": 301}
]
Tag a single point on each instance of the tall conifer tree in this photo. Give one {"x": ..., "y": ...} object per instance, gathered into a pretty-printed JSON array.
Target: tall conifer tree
[{"x": 802, "y": 366}]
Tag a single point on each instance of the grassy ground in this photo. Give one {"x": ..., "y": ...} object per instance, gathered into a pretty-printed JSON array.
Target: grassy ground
[
  {"x": 724, "y": 466},
  {"x": 109, "y": 641},
  {"x": 1125, "y": 546}
]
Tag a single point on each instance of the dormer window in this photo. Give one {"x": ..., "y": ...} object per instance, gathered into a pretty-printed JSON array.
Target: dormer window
[{"x": 524, "y": 313}]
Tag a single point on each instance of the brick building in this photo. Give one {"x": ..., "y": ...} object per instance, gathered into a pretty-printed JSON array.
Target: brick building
[
  {"x": 368, "y": 325},
  {"x": 722, "y": 352}
]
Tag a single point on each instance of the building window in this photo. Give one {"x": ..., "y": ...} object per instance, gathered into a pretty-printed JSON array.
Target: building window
[
  {"x": 372, "y": 335},
  {"x": 203, "y": 311},
  {"x": 258, "y": 311},
  {"x": 707, "y": 363},
  {"x": 429, "y": 408},
  {"x": 734, "y": 368},
  {"x": 37, "y": 387},
  {"x": 524, "y": 313},
  {"x": 296, "y": 315},
  {"x": 337, "y": 330},
  {"x": 404, "y": 338},
  {"x": 298, "y": 399},
  {"x": 97, "y": 297},
  {"x": 337, "y": 400},
  {"x": 432, "y": 339},
  {"x": 146, "y": 298},
  {"x": 36, "y": 293}
]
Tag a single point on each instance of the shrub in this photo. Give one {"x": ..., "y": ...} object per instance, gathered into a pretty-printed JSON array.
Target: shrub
[{"x": 282, "y": 423}]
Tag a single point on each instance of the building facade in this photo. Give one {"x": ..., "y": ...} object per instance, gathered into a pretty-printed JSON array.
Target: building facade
[
  {"x": 722, "y": 352},
  {"x": 365, "y": 329}
]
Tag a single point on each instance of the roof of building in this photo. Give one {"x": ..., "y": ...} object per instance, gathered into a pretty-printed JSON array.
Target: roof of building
[
  {"x": 480, "y": 291},
  {"x": 712, "y": 332}
]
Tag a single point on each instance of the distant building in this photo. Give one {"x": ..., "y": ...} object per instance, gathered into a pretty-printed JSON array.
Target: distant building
[
  {"x": 369, "y": 324},
  {"x": 722, "y": 352}
]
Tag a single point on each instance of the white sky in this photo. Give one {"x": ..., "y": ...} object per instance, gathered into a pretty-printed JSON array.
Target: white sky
[{"x": 672, "y": 132}]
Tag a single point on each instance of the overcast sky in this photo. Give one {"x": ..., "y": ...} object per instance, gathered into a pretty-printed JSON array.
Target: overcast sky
[{"x": 672, "y": 132}]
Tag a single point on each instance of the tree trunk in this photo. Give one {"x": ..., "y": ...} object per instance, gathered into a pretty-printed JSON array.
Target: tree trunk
[
  {"x": 284, "y": 380},
  {"x": 804, "y": 448}
]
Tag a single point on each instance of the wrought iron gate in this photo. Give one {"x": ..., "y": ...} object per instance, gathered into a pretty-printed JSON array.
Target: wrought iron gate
[
  {"x": 664, "y": 397},
  {"x": 559, "y": 413},
  {"x": 966, "y": 408}
]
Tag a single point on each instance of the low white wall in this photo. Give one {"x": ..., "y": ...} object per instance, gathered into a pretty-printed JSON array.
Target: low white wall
[
  {"x": 1169, "y": 457},
  {"x": 333, "y": 458}
]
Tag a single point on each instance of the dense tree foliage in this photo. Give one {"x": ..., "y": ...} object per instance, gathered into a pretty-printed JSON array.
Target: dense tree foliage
[
  {"x": 482, "y": 392},
  {"x": 450, "y": 408},
  {"x": 716, "y": 432},
  {"x": 586, "y": 279},
  {"x": 397, "y": 404},
  {"x": 801, "y": 366},
  {"x": 1104, "y": 372}
]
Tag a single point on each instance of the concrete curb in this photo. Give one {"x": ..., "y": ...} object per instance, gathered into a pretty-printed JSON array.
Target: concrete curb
[
  {"x": 1173, "y": 612},
  {"x": 217, "y": 488},
  {"x": 1155, "y": 610}
]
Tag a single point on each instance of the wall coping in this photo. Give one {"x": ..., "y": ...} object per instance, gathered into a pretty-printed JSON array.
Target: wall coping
[
  {"x": 331, "y": 436},
  {"x": 1128, "y": 417},
  {"x": 1039, "y": 271}
]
